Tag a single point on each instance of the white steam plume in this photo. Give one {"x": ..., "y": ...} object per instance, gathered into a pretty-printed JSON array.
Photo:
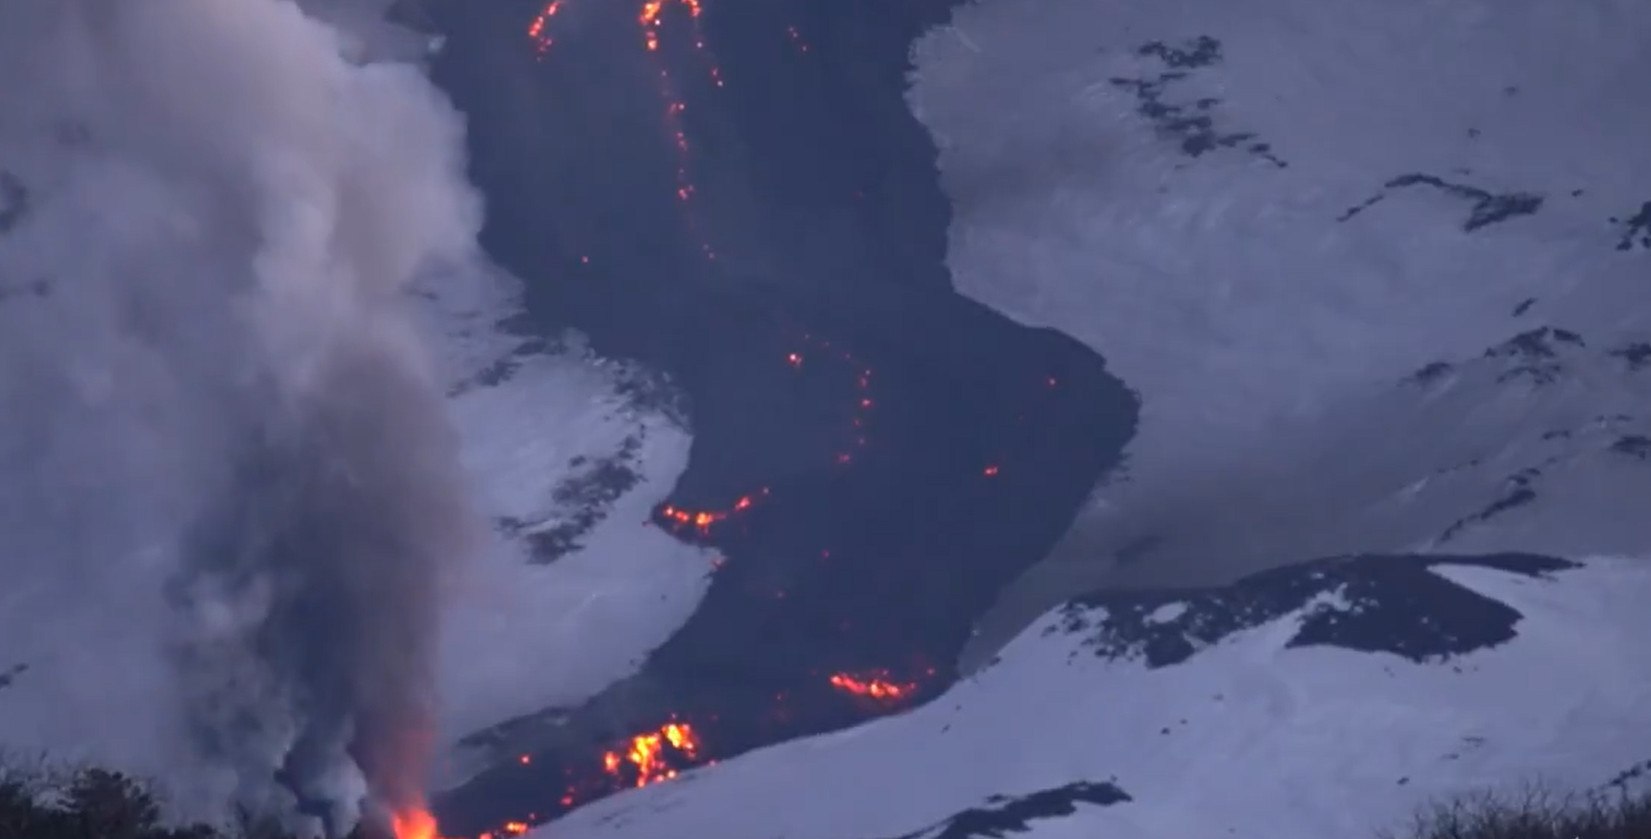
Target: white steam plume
[{"x": 215, "y": 398}]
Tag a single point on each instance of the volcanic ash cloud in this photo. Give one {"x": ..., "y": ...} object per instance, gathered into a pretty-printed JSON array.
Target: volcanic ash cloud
[{"x": 215, "y": 393}]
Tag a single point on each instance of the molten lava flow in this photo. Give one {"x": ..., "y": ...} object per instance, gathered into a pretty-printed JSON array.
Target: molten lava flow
[
  {"x": 703, "y": 520},
  {"x": 860, "y": 415},
  {"x": 875, "y": 685},
  {"x": 651, "y": 18},
  {"x": 538, "y": 30},
  {"x": 649, "y": 755},
  {"x": 414, "y": 824}
]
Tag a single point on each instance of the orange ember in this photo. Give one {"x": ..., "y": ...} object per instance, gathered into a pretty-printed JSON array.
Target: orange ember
[
  {"x": 414, "y": 824},
  {"x": 703, "y": 520},
  {"x": 651, "y": 14},
  {"x": 647, "y": 753},
  {"x": 539, "y": 29},
  {"x": 873, "y": 686},
  {"x": 650, "y": 17}
]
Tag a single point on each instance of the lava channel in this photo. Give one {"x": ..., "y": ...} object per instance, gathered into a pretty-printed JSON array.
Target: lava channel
[{"x": 651, "y": 20}]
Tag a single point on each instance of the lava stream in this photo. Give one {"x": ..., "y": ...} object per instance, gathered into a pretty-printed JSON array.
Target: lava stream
[
  {"x": 701, "y": 521},
  {"x": 876, "y": 685}
]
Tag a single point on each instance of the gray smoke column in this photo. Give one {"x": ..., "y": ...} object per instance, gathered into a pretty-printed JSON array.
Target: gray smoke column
[{"x": 214, "y": 383}]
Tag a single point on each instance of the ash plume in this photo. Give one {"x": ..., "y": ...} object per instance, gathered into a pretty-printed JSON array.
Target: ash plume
[{"x": 217, "y": 402}]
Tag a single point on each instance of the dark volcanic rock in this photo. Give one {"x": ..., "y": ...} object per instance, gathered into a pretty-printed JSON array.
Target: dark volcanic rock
[
  {"x": 1637, "y": 446},
  {"x": 14, "y": 201},
  {"x": 816, "y": 216},
  {"x": 1636, "y": 229},
  {"x": 1534, "y": 354},
  {"x": 1637, "y": 355},
  {"x": 1521, "y": 491},
  {"x": 9, "y": 675},
  {"x": 1190, "y": 123},
  {"x": 1005, "y": 815},
  {"x": 1369, "y": 603},
  {"x": 1488, "y": 208}
]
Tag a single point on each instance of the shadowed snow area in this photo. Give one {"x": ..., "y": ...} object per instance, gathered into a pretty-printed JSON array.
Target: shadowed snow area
[
  {"x": 1307, "y": 702},
  {"x": 1269, "y": 221}
]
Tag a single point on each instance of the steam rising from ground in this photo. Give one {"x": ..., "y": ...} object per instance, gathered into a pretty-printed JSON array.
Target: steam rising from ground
[{"x": 214, "y": 394}]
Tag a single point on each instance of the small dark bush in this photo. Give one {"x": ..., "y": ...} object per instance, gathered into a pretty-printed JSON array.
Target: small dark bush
[
  {"x": 98, "y": 804},
  {"x": 1534, "y": 813}
]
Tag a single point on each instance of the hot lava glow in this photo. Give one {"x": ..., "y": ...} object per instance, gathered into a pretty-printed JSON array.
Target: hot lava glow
[
  {"x": 538, "y": 30},
  {"x": 414, "y": 824},
  {"x": 874, "y": 685},
  {"x": 648, "y": 757},
  {"x": 860, "y": 414},
  {"x": 651, "y": 19},
  {"x": 701, "y": 521}
]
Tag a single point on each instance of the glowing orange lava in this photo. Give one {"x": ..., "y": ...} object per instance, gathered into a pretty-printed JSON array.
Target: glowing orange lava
[
  {"x": 648, "y": 754},
  {"x": 538, "y": 30},
  {"x": 704, "y": 520},
  {"x": 875, "y": 685},
  {"x": 414, "y": 824},
  {"x": 650, "y": 17}
]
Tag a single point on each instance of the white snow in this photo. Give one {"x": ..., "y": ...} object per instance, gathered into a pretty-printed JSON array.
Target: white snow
[
  {"x": 1167, "y": 613},
  {"x": 1266, "y": 338},
  {"x": 522, "y": 636},
  {"x": 1245, "y": 739}
]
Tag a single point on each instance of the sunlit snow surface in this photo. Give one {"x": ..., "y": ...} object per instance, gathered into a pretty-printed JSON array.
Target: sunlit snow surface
[{"x": 1376, "y": 274}]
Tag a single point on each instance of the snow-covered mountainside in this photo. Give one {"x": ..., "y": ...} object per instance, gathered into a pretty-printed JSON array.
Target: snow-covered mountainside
[
  {"x": 1268, "y": 221},
  {"x": 1379, "y": 277},
  {"x": 570, "y": 454},
  {"x": 1325, "y": 699}
]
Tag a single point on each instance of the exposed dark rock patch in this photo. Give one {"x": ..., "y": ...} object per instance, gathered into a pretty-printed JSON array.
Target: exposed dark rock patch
[
  {"x": 1521, "y": 491},
  {"x": 1430, "y": 373},
  {"x": 39, "y": 289},
  {"x": 1534, "y": 354},
  {"x": 1637, "y": 355},
  {"x": 1488, "y": 208},
  {"x": 1189, "y": 123},
  {"x": 506, "y": 367},
  {"x": 1368, "y": 603},
  {"x": 1636, "y": 229},
  {"x": 1202, "y": 51},
  {"x": 1524, "y": 306},
  {"x": 14, "y": 201},
  {"x": 583, "y": 500},
  {"x": 1637, "y": 446},
  {"x": 8, "y": 676},
  {"x": 1005, "y": 815}
]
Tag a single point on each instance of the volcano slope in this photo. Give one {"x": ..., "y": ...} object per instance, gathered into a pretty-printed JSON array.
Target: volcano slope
[{"x": 1366, "y": 270}]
